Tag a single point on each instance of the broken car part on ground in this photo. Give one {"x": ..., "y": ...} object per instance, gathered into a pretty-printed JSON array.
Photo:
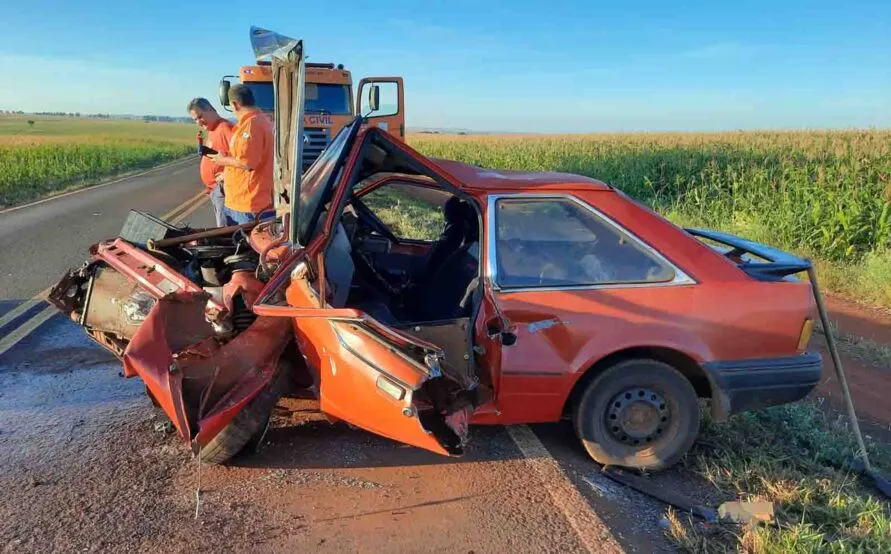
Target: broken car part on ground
[{"x": 544, "y": 295}]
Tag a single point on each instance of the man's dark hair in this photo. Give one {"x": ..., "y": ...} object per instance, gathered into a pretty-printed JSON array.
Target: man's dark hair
[
  {"x": 241, "y": 94},
  {"x": 200, "y": 104}
]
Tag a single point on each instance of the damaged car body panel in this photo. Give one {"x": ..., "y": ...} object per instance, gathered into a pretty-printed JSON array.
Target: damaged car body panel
[
  {"x": 201, "y": 352},
  {"x": 174, "y": 304}
]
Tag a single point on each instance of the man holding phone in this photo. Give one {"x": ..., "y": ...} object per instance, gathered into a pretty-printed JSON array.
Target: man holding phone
[
  {"x": 248, "y": 174},
  {"x": 219, "y": 133}
]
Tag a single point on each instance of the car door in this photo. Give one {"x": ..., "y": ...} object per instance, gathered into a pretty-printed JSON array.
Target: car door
[
  {"x": 369, "y": 375},
  {"x": 390, "y": 115}
]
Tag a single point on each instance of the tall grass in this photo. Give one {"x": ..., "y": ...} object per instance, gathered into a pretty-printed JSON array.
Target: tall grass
[
  {"x": 55, "y": 154},
  {"x": 798, "y": 457},
  {"x": 825, "y": 195}
]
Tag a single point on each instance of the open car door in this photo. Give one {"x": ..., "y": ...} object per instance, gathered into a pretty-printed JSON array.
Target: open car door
[
  {"x": 381, "y": 101},
  {"x": 375, "y": 377}
]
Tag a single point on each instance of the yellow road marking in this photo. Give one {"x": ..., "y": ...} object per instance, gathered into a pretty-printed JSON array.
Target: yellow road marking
[
  {"x": 17, "y": 311},
  {"x": 15, "y": 336},
  {"x": 591, "y": 531},
  {"x": 26, "y": 328},
  {"x": 191, "y": 210},
  {"x": 182, "y": 206}
]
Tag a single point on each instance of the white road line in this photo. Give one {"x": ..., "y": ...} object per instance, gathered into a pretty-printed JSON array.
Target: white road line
[
  {"x": 590, "y": 529},
  {"x": 99, "y": 186},
  {"x": 20, "y": 333}
]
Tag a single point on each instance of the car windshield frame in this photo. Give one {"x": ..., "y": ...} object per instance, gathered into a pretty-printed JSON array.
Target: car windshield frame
[
  {"x": 320, "y": 180},
  {"x": 264, "y": 96}
]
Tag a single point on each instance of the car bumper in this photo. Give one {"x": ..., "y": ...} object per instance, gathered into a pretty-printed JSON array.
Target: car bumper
[{"x": 743, "y": 385}]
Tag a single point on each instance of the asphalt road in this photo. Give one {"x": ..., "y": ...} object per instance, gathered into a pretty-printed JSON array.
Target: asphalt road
[
  {"x": 39, "y": 242},
  {"x": 86, "y": 462}
]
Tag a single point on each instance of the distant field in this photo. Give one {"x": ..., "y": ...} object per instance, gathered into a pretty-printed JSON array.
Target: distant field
[
  {"x": 57, "y": 153},
  {"x": 826, "y": 195}
]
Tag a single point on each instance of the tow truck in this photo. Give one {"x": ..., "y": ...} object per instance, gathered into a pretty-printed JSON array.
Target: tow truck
[{"x": 328, "y": 90}]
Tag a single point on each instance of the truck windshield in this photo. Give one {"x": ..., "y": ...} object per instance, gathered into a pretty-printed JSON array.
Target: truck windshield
[
  {"x": 319, "y": 180},
  {"x": 320, "y": 98}
]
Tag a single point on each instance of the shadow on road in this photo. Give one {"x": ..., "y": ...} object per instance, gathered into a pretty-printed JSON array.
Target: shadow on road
[{"x": 318, "y": 444}]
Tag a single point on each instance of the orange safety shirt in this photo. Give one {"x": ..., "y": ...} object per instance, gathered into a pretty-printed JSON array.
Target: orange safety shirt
[
  {"x": 252, "y": 144},
  {"x": 217, "y": 138}
]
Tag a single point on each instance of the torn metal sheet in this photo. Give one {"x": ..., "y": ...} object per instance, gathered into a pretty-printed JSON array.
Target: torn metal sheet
[{"x": 199, "y": 381}]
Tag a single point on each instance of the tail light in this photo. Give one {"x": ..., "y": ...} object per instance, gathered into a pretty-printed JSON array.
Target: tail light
[{"x": 806, "y": 331}]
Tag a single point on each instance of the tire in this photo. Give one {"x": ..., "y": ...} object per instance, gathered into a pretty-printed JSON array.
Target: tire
[
  {"x": 640, "y": 414},
  {"x": 248, "y": 427}
]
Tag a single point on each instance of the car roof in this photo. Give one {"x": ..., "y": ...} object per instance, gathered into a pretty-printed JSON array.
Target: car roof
[{"x": 480, "y": 178}]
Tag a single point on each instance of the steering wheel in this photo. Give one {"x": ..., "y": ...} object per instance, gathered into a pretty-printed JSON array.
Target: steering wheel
[{"x": 367, "y": 218}]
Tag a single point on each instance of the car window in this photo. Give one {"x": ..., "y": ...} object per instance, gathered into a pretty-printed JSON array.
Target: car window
[
  {"x": 558, "y": 242},
  {"x": 319, "y": 180},
  {"x": 411, "y": 212}
]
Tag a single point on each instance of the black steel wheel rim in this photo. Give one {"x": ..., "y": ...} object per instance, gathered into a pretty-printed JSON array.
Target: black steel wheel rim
[{"x": 637, "y": 416}]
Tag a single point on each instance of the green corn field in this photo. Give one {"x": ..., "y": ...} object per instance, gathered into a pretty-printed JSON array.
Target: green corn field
[
  {"x": 50, "y": 155},
  {"x": 826, "y": 194}
]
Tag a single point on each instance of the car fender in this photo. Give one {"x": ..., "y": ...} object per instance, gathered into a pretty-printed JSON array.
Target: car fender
[{"x": 603, "y": 346}]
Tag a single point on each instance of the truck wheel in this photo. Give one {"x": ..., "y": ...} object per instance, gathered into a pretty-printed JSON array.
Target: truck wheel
[
  {"x": 639, "y": 414},
  {"x": 249, "y": 425}
]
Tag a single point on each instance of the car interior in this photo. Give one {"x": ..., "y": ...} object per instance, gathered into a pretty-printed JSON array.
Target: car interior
[{"x": 427, "y": 288}]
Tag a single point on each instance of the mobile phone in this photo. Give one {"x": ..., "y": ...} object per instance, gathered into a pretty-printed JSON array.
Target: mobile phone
[{"x": 207, "y": 151}]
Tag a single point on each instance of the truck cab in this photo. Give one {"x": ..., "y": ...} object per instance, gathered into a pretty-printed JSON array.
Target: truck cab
[{"x": 329, "y": 101}]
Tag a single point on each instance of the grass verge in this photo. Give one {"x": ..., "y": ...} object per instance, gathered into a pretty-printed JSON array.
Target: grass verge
[
  {"x": 798, "y": 457},
  {"x": 40, "y": 171}
]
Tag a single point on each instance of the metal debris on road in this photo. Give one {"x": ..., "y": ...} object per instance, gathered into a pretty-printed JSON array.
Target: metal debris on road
[
  {"x": 163, "y": 427},
  {"x": 663, "y": 494}
]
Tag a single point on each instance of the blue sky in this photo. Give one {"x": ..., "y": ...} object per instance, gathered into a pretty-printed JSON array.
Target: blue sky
[{"x": 532, "y": 66}]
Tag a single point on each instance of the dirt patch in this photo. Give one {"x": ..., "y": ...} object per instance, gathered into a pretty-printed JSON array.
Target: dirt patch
[
  {"x": 872, "y": 324},
  {"x": 863, "y": 347},
  {"x": 870, "y": 388}
]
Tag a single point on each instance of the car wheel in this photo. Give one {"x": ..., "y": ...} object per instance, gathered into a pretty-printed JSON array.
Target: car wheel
[
  {"x": 248, "y": 427},
  {"x": 638, "y": 413}
]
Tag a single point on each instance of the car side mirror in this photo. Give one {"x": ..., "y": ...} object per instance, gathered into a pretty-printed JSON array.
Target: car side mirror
[
  {"x": 224, "y": 92},
  {"x": 374, "y": 97}
]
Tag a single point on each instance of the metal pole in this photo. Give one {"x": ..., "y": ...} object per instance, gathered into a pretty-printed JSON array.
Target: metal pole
[
  {"x": 836, "y": 360},
  {"x": 212, "y": 232}
]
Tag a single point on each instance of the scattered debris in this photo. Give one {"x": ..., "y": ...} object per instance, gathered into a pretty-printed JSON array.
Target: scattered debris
[
  {"x": 746, "y": 512},
  {"x": 669, "y": 497},
  {"x": 164, "y": 427},
  {"x": 603, "y": 487},
  {"x": 304, "y": 477}
]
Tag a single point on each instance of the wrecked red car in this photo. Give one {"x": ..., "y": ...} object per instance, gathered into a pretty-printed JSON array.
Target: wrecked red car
[{"x": 415, "y": 297}]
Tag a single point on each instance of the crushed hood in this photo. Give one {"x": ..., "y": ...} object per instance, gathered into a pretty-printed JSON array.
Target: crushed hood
[{"x": 287, "y": 58}]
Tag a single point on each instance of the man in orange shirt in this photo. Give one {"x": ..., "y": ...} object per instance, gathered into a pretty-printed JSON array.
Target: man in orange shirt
[
  {"x": 219, "y": 133},
  {"x": 248, "y": 173}
]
